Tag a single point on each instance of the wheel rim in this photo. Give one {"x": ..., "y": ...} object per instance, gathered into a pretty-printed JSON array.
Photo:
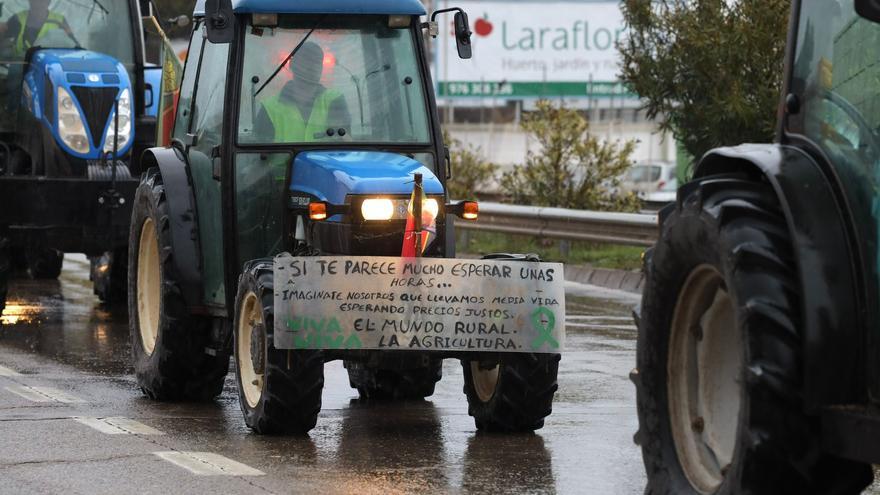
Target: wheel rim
[
  {"x": 148, "y": 286},
  {"x": 251, "y": 379},
  {"x": 485, "y": 381},
  {"x": 705, "y": 365}
]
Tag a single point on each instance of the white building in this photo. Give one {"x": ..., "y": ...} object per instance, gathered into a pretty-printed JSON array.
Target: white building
[{"x": 525, "y": 50}]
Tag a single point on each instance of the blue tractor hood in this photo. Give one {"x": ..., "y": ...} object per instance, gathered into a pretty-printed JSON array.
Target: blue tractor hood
[
  {"x": 332, "y": 175},
  {"x": 93, "y": 80}
]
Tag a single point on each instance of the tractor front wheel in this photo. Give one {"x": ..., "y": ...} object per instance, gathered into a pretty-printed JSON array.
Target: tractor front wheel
[
  {"x": 168, "y": 344},
  {"x": 279, "y": 390},
  {"x": 719, "y": 363},
  {"x": 109, "y": 276},
  {"x": 513, "y": 395},
  {"x": 44, "y": 263},
  {"x": 394, "y": 384}
]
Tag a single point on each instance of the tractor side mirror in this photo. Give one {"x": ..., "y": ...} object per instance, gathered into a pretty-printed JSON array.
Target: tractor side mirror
[
  {"x": 462, "y": 30},
  {"x": 869, "y": 9},
  {"x": 463, "y": 35},
  {"x": 219, "y": 21}
]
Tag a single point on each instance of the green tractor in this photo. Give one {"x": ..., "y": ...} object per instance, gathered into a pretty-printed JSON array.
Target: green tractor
[
  {"x": 305, "y": 184},
  {"x": 758, "y": 358}
]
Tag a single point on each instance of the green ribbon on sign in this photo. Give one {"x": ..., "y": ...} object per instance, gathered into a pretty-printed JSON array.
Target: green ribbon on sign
[{"x": 544, "y": 320}]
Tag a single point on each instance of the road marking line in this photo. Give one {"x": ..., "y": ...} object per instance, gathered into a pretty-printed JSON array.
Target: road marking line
[
  {"x": 58, "y": 395},
  {"x": 28, "y": 393},
  {"x": 208, "y": 464},
  {"x": 118, "y": 426},
  {"x": 43, "y": 394},
  {"x": 4, "y": 371}
]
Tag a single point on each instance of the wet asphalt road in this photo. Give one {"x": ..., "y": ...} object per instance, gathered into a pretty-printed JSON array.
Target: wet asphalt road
[{"x": 63, "y": 356}]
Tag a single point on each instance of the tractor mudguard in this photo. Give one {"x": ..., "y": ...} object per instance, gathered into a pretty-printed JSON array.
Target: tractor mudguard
[
  {"x": 819, "y": 223},
  {"x": 184, "y": 220}
]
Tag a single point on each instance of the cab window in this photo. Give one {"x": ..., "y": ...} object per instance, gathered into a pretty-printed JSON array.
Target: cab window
[{"x": 350, "y": 79}]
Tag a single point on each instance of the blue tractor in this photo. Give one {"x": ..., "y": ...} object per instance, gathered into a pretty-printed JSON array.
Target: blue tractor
[
  {"x": 303, "y": 129},
  {"x": 78, "y": 103}
]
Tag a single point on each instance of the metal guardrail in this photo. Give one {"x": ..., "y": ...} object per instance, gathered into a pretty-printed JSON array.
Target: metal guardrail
[{"x": 633, "y": 229}]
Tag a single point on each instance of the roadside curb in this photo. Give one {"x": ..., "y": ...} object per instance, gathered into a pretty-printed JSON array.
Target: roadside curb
[{"x": 625, "y": 280}]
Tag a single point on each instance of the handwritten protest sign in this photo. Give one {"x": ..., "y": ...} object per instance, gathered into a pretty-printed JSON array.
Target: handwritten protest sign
[{"x": 418, "y": 304}]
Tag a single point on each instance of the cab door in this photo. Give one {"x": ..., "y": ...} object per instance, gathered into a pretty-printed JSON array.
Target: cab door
[
  {"x": 834, "y": 73},
  {"x": 200, "y": 127}
]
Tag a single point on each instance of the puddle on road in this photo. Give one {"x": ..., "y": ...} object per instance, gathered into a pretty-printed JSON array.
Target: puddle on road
[
  {"x": 62, "y": 319},
  {"x": 20, "y": 312}
]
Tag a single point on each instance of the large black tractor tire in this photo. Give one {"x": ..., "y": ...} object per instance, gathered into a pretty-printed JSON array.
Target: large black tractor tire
[
  {"x": 719, "y": 356},
  {"x": 5, "y": 268},
  {"x": 168, "y": 343},
  {"x": 110, "y": 276},
  {"x": 514, "y": 395},
  {"x": 44, "y": 263},
  {"x": 394, "y": 384},
  {"x": 279, "y": 390}
]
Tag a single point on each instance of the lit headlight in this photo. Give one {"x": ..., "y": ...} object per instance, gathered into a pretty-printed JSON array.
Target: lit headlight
[
  {"x": 431, "y": 207},
  {"x": 71, "y": 128},
  {"x": 124, "y": 124},
  {"x": 377, "y": 209}
]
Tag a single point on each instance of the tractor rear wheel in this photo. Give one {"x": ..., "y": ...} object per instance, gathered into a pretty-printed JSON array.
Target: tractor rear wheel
[
  {"x": 44, "y": 263},
  {"x": 167, "y": 342},
  {"x": 513, "y": 395},
  {"x": 279, "y": 390},
  {"x": 394, "y": 384},
  {"x": 719, "y": 364}
]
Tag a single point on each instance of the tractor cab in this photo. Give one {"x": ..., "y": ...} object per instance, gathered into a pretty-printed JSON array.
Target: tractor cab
[
  {"x": 355, "y": 94},
  {"x": 323, "y": 105},
  {"x": 833, "y": 104}
]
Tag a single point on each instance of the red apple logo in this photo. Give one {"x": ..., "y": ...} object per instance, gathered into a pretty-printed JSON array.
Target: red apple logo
[{"x": 483, "y": 27}]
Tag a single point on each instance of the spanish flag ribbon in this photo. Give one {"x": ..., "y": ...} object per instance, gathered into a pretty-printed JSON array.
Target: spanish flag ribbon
[{"x": 416, "y": 238}]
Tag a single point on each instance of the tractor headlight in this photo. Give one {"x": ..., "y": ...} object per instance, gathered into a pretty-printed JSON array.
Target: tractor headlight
[
  {"x": 124, "y": 134},
  {"x": 377, "y": 209},
  {"x": 431, "y": 207},
  {"x": 71, "y": 128}
]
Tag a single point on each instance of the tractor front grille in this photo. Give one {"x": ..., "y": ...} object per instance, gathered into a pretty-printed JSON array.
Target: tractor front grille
[
  {"x": 96, "y": 103},
  {"x": 367, "y": 239}
]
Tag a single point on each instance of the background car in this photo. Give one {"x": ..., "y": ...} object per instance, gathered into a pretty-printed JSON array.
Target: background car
[{"x": 647, "y": 178}]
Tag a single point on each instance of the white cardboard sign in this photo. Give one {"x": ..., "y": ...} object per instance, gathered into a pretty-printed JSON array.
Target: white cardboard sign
[{"x": 418, "y": 304}]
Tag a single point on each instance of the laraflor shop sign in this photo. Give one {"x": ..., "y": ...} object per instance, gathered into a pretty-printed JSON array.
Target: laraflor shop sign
[{"x": 536, "y": 49}]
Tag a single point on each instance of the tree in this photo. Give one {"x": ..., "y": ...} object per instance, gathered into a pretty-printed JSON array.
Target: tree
[
  {"x": 710, "y": 69},
  {"x": 572, "y": 168},
  {"x": 471, "y": 172}
]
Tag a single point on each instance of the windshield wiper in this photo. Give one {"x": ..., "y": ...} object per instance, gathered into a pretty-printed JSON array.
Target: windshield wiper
[
  {"x": 94, "y": 3},
  {"x": 100, "y": 6},
  {"x": 289, "y": 56}
]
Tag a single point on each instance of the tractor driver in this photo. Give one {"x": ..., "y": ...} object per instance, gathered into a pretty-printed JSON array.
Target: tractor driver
[
  {"x": 304, "y": 110},
  {"x": 25, "y": 27}
]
